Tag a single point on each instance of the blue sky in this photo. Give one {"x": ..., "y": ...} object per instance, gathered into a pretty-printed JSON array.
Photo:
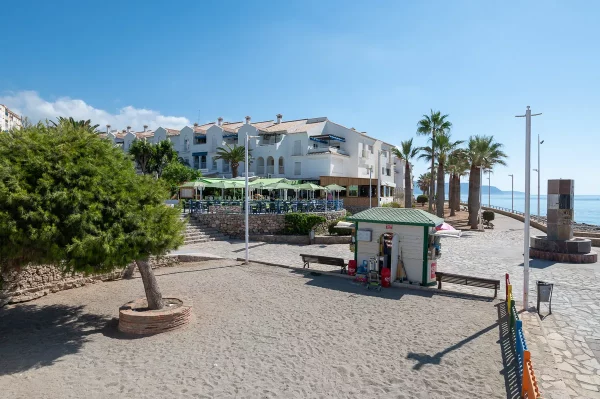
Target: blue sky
[{"x": 376, "y": 66}]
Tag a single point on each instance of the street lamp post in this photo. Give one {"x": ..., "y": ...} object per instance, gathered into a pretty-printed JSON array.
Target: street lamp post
[
  {"x": 247, "y": 197},
  {"x": 370, "y": 185},
  {"x": 539, "y": 175},
  {"x": 512, "y": 193},
  {"x": 379, "y": 178},
  {"x": 527, "y": 116}
]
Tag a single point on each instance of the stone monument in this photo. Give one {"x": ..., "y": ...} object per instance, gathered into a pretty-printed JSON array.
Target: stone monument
[{"x": 559, "y": 244}]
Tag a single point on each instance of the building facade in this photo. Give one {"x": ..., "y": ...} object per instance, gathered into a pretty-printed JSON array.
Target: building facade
[
  {"x": 311, "y": 150},
  {"x": 9, "y": 119}
]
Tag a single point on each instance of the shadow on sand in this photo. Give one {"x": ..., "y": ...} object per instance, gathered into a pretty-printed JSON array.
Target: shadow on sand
[
  {"x": 36, "y": 336},
  {"x": 509, "y": 371}
]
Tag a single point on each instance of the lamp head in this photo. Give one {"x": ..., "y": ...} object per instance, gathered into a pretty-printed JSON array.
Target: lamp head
[{"x": 542, "y": 142}]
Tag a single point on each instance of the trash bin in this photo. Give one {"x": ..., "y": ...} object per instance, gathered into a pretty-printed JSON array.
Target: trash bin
[{"x": 544, "y": 294}]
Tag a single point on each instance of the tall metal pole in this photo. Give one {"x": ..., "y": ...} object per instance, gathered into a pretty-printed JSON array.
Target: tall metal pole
[
  {"x": 247, "y": 201},
  {"x": 370, "y": 186},
  {"x": 432, "y": 180},
  {"x": 379, "y": 178},
  {"x": 512, "y": 192},
  {"x": 539, "y": 173},
  {"x": 480, "y": 196},
  {"x": 527, "y": 205}
]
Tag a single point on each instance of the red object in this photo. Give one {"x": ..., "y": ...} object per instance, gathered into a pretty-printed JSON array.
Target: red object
[
  {"x": 351, "y": 267},
  {"x": 389, "y": 226},
  {"x": 386, "y": 277}
]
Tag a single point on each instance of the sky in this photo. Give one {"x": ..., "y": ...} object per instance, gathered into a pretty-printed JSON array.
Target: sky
[{"x": 377, "y": 66}]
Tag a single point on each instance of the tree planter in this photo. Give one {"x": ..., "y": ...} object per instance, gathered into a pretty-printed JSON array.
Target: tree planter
[{"x": 135, "y": 318}]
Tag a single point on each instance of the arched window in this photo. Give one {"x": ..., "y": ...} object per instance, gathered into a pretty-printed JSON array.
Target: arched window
[
  {"x": 270, "y": 165},
  {"x": 260, "y": 166},
  {"x": 281, "y": 167}
]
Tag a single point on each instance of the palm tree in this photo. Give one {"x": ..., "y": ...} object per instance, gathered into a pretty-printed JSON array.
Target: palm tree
[
  {"x": 443, "y": 146},
  {"x": 85, "y": 124},
  {"x": 424, "y": 182},
  {"x": 233, "y": 155},
  {"x": 482, "y": 152},
  {"x": 457, "y": 167},
  {"x": 433, "y": 124},
  {"x": 407, "y": 153}
]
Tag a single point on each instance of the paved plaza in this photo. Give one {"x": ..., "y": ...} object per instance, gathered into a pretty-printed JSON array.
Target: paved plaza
[{"x": 572, "y": 332}]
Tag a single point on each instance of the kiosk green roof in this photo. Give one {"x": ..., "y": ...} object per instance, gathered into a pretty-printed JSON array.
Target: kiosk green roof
[{"x": 413, "y": 217}]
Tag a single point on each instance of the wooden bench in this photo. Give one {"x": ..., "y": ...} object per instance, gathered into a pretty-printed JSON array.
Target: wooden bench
[
  {"x": 323, "y": 260},
  {"x": 467, "y": 280}
]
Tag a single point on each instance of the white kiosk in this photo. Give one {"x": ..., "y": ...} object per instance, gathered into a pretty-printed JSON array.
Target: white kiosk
[{"x": 402, "y": 239}]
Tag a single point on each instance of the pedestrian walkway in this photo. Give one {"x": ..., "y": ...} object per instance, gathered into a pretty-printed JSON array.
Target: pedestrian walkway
[{"x": 572, "y": 332}]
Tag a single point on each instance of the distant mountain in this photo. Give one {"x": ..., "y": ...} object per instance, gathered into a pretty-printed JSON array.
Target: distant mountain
[{"x": 464, "y": 190}]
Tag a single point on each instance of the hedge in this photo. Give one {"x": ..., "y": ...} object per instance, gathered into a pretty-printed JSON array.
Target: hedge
[{"x": 302, "y": 223}]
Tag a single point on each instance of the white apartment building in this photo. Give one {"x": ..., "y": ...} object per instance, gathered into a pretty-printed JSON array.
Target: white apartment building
[
  {"x": 311, "y": 150},
  {"x": 9, "y": 119}
]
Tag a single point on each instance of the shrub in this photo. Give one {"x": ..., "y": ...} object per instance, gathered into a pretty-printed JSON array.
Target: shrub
[
  {"x": 488, "y": 216},
  {"x": 302, "y": 223},
  {"x": 422, "y": 199},
  {"x": 392, "y": 205},
  {"x": 340, "y": 232}
]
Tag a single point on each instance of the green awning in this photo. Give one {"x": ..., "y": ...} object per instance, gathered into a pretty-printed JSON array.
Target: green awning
[{"x": 406, "y": 216}]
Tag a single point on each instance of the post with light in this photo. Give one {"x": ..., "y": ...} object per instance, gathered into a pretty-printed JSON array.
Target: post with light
[
  {"x": 527, "y": 117},
  {"x": 246, "y": 196},
  {"x": 489, "y": 188},
  {"x": 512, "y": 192},
  {"x": 539, "y": 175},
  {"x": 379, "y": 178},
  {"x": 370, "y": 185}
]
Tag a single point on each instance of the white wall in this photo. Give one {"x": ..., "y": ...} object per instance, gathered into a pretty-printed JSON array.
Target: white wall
[{"x": 410, "y": 245}]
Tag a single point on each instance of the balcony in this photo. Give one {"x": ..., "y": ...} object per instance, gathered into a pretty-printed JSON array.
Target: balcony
[{"x": 325, "y": 149}]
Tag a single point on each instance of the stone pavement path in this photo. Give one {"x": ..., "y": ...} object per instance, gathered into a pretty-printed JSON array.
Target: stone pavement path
[{"x": 572, "y": 331}]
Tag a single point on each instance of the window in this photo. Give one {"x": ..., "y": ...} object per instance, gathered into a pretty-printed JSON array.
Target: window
[
  {"x": 383, "y": 170},
  {"x": 214, "y": 164},
  {"x": 297, "y": 168},
  {"x": 260, "y": 166},
  {"x": 297, "y": 148},
  {"x": 202, "y": 162},
  {"x": 281, "y": 167},
  {"x": 352, "y": 191},
  {"x": 186, "y": 145},
  {"x": 225, "y": 166},
  {"x": 199, "y": 139},
  {"x": 388, "y": 172},
  {"x": 270, "y": 165}
]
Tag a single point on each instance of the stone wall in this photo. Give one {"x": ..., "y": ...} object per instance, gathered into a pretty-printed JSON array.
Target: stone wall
[
  {"x": 35, "y": 281},
  {"x": 263, "y": 224}
]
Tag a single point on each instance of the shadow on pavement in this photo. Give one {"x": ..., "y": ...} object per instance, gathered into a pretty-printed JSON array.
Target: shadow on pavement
[
  {"x": 512, "y": 380},
  {"x": 37, "y": 336}
]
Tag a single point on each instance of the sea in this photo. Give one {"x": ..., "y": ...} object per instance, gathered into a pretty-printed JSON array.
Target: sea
[{"x": 587, "y": 207}]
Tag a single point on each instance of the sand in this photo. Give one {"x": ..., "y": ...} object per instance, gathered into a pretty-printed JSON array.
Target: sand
[{"x": 258, "y": 332}]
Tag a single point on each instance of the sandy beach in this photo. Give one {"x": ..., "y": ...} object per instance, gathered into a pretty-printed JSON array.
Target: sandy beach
[{"x": 258, "y": 332}]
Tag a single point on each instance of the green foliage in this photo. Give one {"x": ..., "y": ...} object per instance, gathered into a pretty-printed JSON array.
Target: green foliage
[
  {"x": 153, "y": 158},
  {"x": 422, "y": 199},
  {"x": 70, "y": 122},
  {"x": 177, "y": 173},
  {"x": 392, "y": 205},
  {"x": 488, "y": 216},
  {"x": 233, "y": 156},
  {"x": 70, "y": 198},
  {"x": 302, "y": 223},
  {"x": 340, "y": 232}
]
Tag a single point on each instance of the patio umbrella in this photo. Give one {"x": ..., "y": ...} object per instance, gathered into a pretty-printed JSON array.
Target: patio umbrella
[
  {"x": 223, "y": 184},
  {"x": 336, "y": 188},
  {"x": 281, "y": 186},
  {"x": 444, "y": 227},
  {"x": 310, "y": 187}
]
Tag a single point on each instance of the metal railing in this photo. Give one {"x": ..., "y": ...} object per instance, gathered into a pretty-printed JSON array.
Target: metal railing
[{"x": 261, "y": 207}]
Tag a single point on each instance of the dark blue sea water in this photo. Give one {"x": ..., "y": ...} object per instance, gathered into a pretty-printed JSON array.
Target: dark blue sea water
[{"x": 587, "y": 207}]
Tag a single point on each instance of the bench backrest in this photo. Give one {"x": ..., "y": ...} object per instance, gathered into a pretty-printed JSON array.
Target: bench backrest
[
  {"x": 466, "y": 280},
  {"x": 324, "y": 260}
]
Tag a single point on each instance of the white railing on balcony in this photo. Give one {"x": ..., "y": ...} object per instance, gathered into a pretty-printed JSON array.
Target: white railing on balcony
[{"x": 333, "y": 150}]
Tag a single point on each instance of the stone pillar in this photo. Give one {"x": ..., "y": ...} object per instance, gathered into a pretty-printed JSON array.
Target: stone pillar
[{"x": 560, "y": 209}]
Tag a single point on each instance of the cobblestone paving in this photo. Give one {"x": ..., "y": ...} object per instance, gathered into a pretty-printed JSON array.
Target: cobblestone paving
[{"x": 572, "y": 331}]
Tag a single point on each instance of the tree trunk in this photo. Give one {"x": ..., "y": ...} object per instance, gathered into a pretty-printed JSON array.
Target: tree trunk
[
  {"x": 441, "y": 190},
  {"x": 234, "y": 170},
  {"x": 432, "y": 182},
  {"x": 153, "y": 294},
  {"x": 408, "y": 196},
  {"x": 451, "y": 194},
  {"x": 457, "y": 192},
  {"x": 474, "y": 188}
]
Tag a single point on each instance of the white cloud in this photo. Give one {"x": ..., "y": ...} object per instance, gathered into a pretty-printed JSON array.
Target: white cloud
[{"x": 31, "y": 105}]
